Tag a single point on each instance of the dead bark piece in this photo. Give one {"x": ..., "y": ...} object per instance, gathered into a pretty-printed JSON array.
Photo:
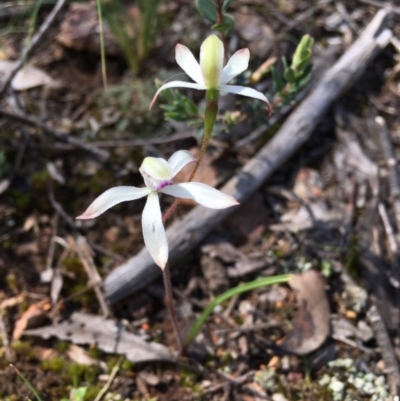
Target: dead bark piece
[
  {"x": 185, "y": 234},
  {"x": 108, "y": 335},
  {"x": 311, "y": 325}
]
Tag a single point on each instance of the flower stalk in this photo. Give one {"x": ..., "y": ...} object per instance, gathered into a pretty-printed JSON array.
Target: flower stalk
[{"x": 168, "y": 300}]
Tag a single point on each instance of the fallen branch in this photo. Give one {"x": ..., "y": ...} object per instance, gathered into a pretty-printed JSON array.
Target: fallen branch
[{"x": 185, "y": 234}]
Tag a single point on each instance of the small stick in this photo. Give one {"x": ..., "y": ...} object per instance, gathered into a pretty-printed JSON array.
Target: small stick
[
  {"x": 83, "y": 249},
  {"x": 110, "y": 379},
  {"x": 25, "y": 119},
  {"x": 382, "y": 4},
  {"x": 52, "y": 246},
  {"x": 387, "y": 351},
  {"x": 390, "y": 159},
  {"x": 33, "y": 43}
]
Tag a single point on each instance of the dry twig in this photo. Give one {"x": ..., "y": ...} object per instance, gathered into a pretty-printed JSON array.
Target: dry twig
[
  {"x": 25, "y": 119},
  {"x": 33, "y": 43}
]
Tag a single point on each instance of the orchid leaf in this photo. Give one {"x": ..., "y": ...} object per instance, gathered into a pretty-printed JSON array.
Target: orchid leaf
[{"x": 227, "y": 25}]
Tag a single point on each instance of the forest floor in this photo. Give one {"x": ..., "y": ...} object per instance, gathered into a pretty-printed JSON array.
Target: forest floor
[{"x": 330, "y": 214}]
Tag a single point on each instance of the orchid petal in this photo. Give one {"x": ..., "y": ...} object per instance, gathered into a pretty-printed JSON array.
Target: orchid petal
[
  {"x": 177, "y": 84},
  {"x": 201, "y": 193},
  {"x": 179, "y": 160},
  {"x": 241, "y": 90},
  {"x": 185, "y": 59},
  {"x": 236, "y": 65},
  {"x": 112, "y": 197},
  {"x": 211, "y": 60},
  {"x": 154, "y": 235}
]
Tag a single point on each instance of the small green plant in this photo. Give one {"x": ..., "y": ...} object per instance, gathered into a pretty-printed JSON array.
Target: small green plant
[
  {"x": 135, "y": 32},
  {"x": 76, "y": 394},
  {"x": 179, "y": 107},
  {"x": 215, "y": 12},
  {"x": 262, "y": 282},
  {"x": 296, "y": 75}
]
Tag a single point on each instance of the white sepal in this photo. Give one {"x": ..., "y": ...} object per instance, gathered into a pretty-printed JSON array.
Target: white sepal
[
  {"x": 203, "y": 194},
  {"x": 176, "y": 84},
  {"x": 112, "y": 197},
  {"x": 154, "y": 235},
  {"x": 242, "y": 90}
]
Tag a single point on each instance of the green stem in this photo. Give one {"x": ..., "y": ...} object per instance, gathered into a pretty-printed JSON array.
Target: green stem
[
  {"x": 229, "y": 294},
  {"x": 102, "y": 46},
  {"x": 210, "y": 116}
]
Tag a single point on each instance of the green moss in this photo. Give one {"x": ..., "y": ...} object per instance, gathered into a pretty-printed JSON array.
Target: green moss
[
  {"x": 127, "y": 365},
  {"x": 94, "y": 353},
  {"x": 111, "y": 362},
  {"x": 74, "y": 265},
  {"x": 92, "y": 392},
  {"x": 56, "y": 364},
  {"x": 23, "y": 350},
  {"x": 12, "y": 282},
  {"x": 62, "y": 346},
  {"x": 40, "y": 180},
  {"x": 21, "y": 200}
]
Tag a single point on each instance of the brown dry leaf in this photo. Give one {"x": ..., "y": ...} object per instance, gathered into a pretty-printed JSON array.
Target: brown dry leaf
[
  {"x": 311, "y": 324},
  {"x": 108, "y": 335},
  {"x": 34, "y": 316},
  {"x": 79, "y": 355},
  {"x": 27, "y": 78}
]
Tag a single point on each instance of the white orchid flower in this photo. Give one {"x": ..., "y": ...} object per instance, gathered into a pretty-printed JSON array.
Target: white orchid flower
[
  {"x": 210, "y": 73},
  {"x": 158, "y": 174}
]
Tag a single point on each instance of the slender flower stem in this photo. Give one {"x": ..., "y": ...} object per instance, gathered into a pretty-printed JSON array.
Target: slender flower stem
[
  {"x": 170, "y": 307},
  {"x": 210, "y": 116},
  {"x": 220, "y": 21}
]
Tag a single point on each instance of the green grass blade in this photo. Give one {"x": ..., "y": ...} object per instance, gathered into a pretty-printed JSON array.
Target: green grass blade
[
  {"x": 27, "y": 383},
  {"x": 102, "y": 49},
  {"x": 262, "y": 282}
]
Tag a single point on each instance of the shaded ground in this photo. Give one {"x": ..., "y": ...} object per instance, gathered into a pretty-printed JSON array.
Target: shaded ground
[{"x": 341, "y": 175}]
